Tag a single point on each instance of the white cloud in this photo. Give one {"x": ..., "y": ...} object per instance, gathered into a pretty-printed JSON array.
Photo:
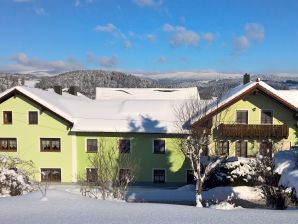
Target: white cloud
[
  {"x": 108, "y": 61},
  {"x": 79, "y": 2},
  {"x": 241, "y": 43},
  {"x": 115, "y": 31},
  {"x": 148, "y": 3},
  {"x": 23, "y": 64},
  {"x": 209, "y": 37},
  {"x": 254, "y": 31},
  {"x": 108, "y": 28},
  {"x": 168, "y": 28},
  {"x": 151, "y": 38},
  {"x": 40, "y": 12},
  {"x": 182, "y": 36},
  {"x": 162, "y": 59}
]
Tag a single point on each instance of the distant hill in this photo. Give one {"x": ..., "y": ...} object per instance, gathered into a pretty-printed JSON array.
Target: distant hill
[{"x": 88, "y": 80}]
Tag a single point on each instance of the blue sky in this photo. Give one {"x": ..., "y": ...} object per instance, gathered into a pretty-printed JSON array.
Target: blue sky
[{"x": 256, "y": 36}]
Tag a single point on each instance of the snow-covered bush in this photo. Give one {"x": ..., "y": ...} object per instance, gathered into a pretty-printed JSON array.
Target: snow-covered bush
[
  {"x": 286, "y": 165},
  {"x": 14, "y": 176},
  {"x": 234, "y": 171}
]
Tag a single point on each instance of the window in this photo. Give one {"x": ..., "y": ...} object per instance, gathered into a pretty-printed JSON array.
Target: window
[
  {"x": 8, "y": 144},
  {"x": 266, "y": 117},
  {"x": 7, "y": 117},
  {"x": 242, "y": 117},
  {"x": 159, "y": 146},
  {"x": 51, "y": 174},
  {"x": 223, "y": 148},
  {"x": 50, "y": 145},
  {"x": 159, "y": 176},
  {"x": 91, "y": 174},
  {"x": 125, "y": 176},
  {"x": 241, "y": 148},
  {"x": 33, "y": 117},
  {"x": 92, "y": 145},
  {"x": 124, "y": 145}
]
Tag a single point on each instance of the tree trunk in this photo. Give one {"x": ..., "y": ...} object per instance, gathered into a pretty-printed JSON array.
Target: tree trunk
[{"x": 199, "y": 193}]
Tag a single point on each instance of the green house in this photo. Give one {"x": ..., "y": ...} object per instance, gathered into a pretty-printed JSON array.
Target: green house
[{"x": 59, "y": 130}]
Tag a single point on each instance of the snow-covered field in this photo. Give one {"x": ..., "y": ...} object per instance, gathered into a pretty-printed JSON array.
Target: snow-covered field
[{"x": 65, "y": 207}]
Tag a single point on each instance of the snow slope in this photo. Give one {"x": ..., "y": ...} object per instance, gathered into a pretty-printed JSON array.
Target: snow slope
[{"x": 64, "y": 207}]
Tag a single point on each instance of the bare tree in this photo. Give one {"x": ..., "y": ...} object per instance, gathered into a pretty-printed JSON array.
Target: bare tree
[
  {"x": 43, "y": 185},
  {"x": 110, "y": 172},
  {"x": 196, "y": 141}
]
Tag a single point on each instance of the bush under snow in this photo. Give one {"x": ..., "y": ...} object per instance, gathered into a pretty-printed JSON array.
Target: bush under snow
[
  {"x": 13, "y": 180},
  {"x": 286, "y": 165}
]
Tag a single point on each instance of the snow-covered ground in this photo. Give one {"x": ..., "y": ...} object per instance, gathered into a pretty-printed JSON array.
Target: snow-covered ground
[
  {"x": 65, "y": 207},
  {"x": 186, "y": 195}
]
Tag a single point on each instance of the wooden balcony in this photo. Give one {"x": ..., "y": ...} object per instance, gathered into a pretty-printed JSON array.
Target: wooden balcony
[{"x": 252, "y": 131}]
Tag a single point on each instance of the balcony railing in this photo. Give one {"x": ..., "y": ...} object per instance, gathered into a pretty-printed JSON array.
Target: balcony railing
[{"x": 253, "y": 131}]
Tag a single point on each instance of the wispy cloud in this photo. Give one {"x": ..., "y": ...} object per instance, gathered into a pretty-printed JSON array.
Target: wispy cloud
[
  {"x": 115, "y": 31},
  {"x": 40, "y": 12},
  {"x": 253, "y": 32},
  {"x": 148, "y": 3},
  {"x": 182, "y": 36},
  {"x": 151, "y": 38},
  {"x": 209, "y": 37},
  {"x": 77, "y": 3},
  {"x": 23, "y": 64},
  {"x": 241, "y": 43},
  {"x": 106, "y": 62}
]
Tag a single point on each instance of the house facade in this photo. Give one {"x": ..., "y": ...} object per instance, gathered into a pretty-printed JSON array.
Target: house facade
[
  {"x": 251, "y": 119},
  {"x": 59, "y": 131}
]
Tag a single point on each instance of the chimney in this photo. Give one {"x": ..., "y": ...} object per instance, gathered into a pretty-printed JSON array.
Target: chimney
[
  {"x": 246, "y": 78},
  {"x": 73, "y": 90},
  {"x": 58, "y": 89}
]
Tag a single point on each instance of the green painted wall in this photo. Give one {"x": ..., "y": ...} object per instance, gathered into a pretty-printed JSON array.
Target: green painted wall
[
  {"x": 254, "y": 104},
  {"x": 141, "y": 152},
  {"x": 28, "y": 136}
]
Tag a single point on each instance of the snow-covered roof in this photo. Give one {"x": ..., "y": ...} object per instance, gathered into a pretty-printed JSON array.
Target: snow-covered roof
[
  {"x": 113, "y": 115},
  {"x": 146, "y": 93},
  {"x": 292, "y": 95},
  {"x": 241, "y": 90}
]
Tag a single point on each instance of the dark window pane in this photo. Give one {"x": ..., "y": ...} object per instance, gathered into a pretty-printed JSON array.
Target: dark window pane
[
  {"x": 51, "y": 174},
  {"x": 92, "y": 145},
  {"x": 124, "y": 146},
  {"x": 33, "y": 117},
  {"x": 8, "y": 144},
  {"x": 50, "y": 144},
  {"x": 159, "y": 176},
  {"x": 241, "y": 149},
  {"x": 242, "y": 117},
  {"x": 159, "y": 146},
  {"x": 223, "y": 148},
  {"x": 7, "y": 117},
  {"x": 266, "y": 117}
]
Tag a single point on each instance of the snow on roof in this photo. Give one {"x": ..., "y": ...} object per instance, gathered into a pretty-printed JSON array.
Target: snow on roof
[
  {"x": 241, "y": 89},
  {"x": 146, "y": 93},
  {"x": 117, "y": 115},
  {"x": 292, "y": 95}
]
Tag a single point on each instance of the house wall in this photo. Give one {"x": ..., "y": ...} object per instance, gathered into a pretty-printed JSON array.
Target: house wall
[
  {"x": 28, "y": 136},
  {"x": 173, "y": 161},
  {"x": 254, "y": 104}
]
